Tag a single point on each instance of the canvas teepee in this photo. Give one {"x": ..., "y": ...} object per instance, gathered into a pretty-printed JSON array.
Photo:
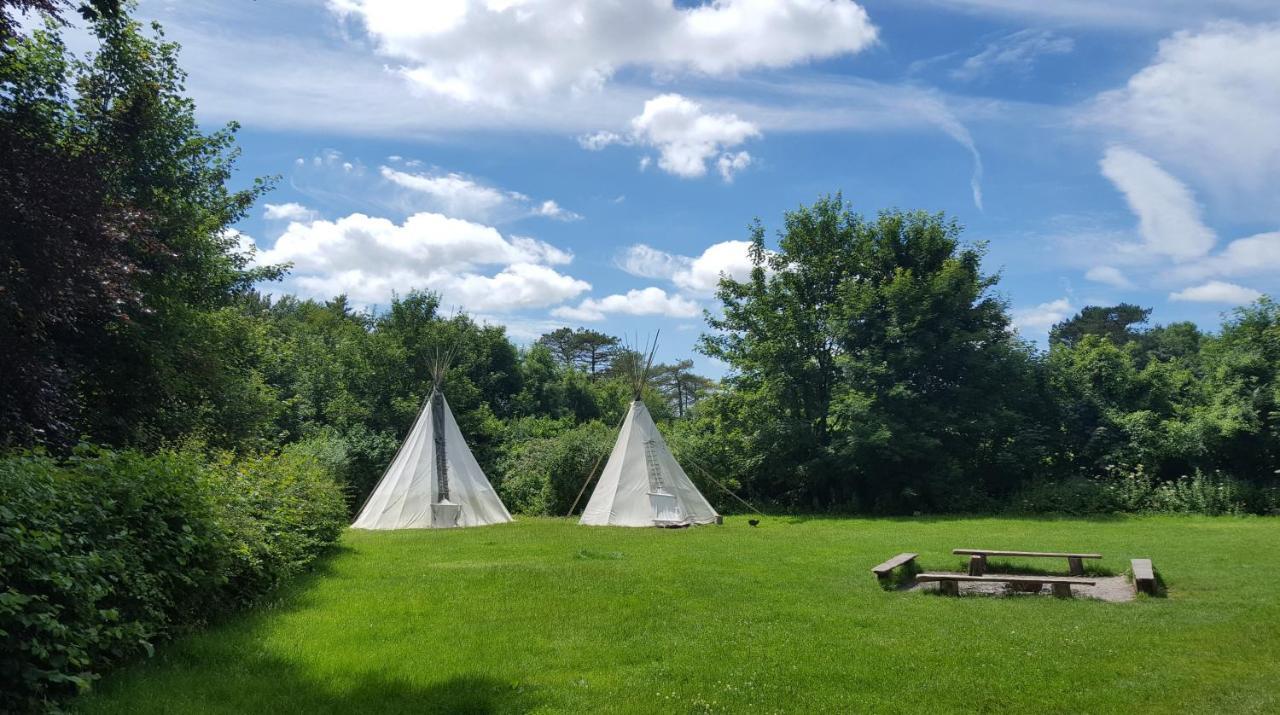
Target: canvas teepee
[
  {"x": 642, "y": 483},
  {"x": 433, "y": 481}
]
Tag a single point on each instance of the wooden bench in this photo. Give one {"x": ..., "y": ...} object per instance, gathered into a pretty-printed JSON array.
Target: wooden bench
[
  {"x": 883, "y": 570},
  {"x": 1074, "y": 561},
  {"x": 949, "y": 583},
  {"x": 1144, "y": 576}
]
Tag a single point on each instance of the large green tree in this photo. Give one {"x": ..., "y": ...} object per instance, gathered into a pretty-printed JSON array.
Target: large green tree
[
  {"x": 182, "y": 363},
  {"x": 121, "y": 274},
  {"x": 871, "y": 365}
]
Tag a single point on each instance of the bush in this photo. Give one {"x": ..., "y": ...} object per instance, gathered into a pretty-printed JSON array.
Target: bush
[
  {"x": 1266, "y": 501},
  {"x": 1069, "y": 496},
  {"x": 279, "y": 512},
  {"x": 543, "y": 475},
  {"x": 1137, "y": 492},
  {"x": 355, "y": 457},
  {"x": 105, "y": 553},
  {"x": 1200, "y": 493}
]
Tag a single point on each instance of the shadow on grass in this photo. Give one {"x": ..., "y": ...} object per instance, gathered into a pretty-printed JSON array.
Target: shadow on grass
[
  {"x": 286, "y": 598},
  {"x": 901, "y": 578},
  {"x": 225, "y": 669},
  {"x": 271, "y": 685},
  {"x": 1162, "y": 589}
]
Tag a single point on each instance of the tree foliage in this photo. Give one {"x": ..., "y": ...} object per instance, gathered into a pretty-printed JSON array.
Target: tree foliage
[{"x": 871, "y": 364}]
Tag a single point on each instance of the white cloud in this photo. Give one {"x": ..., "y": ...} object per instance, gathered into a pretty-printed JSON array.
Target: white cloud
[
  {"x": 596, "y": 141},
  {"x": 481, "y": 51},
  {"x": 685, "y": 136},
  {"x": 1168, "y": 215},
  {"x": 1108, "y": 275},
  {"x": 1217, "y": 292},
  {"x": 1209, "y": 104},
  {"x": 730, "y": 164},
  {"x": 551, "y": 209},
  {"x": 648, "y": 262},
  {"x": 461, "y": 196},
  {"x": 727, "y": 258},
  {"x": 646, "y": 301},
  {"x": 287, "y": 212},
  {"x": 1017, "y": 52},
  {"x": 700, "y": 274},
  {"x": 1042, "y": 317},
  {"x": 1252, "y": 255},
  {"x": 370, "y": 258},
  {"x": 452, "y": 193}
]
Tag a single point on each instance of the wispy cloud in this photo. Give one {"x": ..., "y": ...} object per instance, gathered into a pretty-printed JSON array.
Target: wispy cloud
[
  {"x": 458, "y": 195},
  {"x": 1016, "y": 53}
]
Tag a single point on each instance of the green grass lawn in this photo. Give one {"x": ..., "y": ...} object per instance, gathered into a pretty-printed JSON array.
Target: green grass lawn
[{"x": 545, "y": 615}]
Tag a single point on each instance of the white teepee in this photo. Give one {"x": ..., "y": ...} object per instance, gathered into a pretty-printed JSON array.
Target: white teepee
[
  {"x": 642, "y": 484},
  {"x": 434, "y": 481}
]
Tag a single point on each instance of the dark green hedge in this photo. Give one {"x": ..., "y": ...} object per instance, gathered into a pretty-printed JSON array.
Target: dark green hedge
[{"x": 105, "y": 553}]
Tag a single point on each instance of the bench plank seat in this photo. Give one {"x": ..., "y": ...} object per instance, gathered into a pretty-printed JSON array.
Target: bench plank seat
[
  {"x": 1046, "y": 554},
  {"x": 883, "y": 569},
  {"x": 1071, "y": 580},
  {"x": 1144, "y": 576},
  {"x": 949, "y": 583}
]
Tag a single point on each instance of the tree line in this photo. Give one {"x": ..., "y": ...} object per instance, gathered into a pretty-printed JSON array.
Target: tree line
[{"x": 872, "y": 362}]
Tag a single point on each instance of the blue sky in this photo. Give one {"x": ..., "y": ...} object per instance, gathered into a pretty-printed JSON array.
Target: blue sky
[{"x": 580, "y": 162}]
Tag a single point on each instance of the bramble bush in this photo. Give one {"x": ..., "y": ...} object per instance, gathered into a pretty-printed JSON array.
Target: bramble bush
[{"x": 104, "y": 553}]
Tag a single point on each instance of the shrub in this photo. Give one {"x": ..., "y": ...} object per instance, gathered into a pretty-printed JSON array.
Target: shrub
[
  {"x": 1137, "y": 492},
  {"x": 106, "y": 552},
  {"x": 279, "y": 511},
  {"x": 1266, "y": 501},
  {"x": 1069, "y": 496},
  {"x": 543, "y": 475}
]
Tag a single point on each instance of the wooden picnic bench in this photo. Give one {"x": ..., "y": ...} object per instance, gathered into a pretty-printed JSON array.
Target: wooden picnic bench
[
  {"x": 1074, "y": 561},
  {"x": 883, "y": 570},
  {"x": 949, "y": 583},
  {"x": 1144, "y": 576}
]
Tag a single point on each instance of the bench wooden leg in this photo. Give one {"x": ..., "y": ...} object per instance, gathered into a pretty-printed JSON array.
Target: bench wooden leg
[
  {"x": 1077, "y": 566},
  {"x": 977, "y": 565},
  {"x": 949, "y": 588},
  {"x": 1062, "y": 590}
]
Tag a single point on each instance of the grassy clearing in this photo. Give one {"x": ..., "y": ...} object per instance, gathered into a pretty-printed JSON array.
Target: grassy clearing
[{"x": 549, "y": 616}]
